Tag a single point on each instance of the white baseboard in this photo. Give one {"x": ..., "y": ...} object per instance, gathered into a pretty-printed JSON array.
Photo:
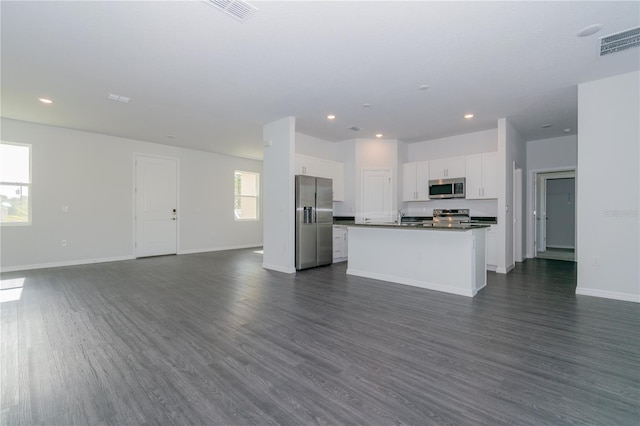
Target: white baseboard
[
  {"x": 505, "y": 270},
  {"x": 286, "y": 270},
  {"x": 113, "y": 259},
  {"x": 608, "y": 294},
  {"x": 206, "y": 250},
  {"x": 414, "y": 283},
  {"x": 65, "y": 263}
]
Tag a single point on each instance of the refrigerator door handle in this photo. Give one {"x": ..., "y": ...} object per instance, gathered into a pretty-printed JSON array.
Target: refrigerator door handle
[{"x": 308, "y": 214}]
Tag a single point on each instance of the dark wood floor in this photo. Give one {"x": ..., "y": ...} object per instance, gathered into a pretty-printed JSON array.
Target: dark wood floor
[{"x": 213, "y": 339}]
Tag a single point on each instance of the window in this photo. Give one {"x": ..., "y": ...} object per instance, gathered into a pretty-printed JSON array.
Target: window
[
  {"x": 246, "y": 186},
  {"x": 15, "y": 184}
]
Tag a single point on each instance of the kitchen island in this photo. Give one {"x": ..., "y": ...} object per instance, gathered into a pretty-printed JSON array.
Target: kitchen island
[{"x": 450, "y": 259}]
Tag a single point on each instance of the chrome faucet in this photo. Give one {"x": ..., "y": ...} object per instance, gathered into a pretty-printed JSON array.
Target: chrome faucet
[{"x": 400, "y": 216}]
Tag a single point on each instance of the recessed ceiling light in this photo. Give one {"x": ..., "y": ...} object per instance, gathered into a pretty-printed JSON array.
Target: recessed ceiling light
[
  {"x": 331, "y": 116},
  {"x": 379, "y": 135},
  {"x": 468, "y": 116},
  {"x": 119, "y": 98},
  {"x": 589, "y": 30},
  {"x": 366, "y": 105},
  {"x": 423, "y": 87},
  {"x": 45, "y": 100},
  {"x": 567, "y": 130},
  {"x": 546, "y": 126}
]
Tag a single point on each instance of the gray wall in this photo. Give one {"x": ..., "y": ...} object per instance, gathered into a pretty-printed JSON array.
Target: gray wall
[
  {"x": 93, "y": 175},
  {"x": 545, "y": 155}
]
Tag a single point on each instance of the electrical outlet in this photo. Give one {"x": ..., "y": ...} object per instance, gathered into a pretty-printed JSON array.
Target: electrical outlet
[
  {"x": 595, "y": 261},
  {"x": 64, "y": 243},
  {"x": 65, "y": 208}
]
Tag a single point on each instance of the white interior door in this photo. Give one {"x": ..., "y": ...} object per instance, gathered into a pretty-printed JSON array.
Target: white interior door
[
  {"x": 156, "y": 206},
  {"x": 376, "y": 196}
]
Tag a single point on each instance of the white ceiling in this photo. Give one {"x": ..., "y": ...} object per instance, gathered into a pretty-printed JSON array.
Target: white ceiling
[{"x": 212, "y": 82}]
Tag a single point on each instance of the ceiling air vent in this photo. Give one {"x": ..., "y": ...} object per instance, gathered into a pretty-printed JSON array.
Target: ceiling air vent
[
  {"x": 241, "y": 10},
  {"x": 621, "y": 41}
]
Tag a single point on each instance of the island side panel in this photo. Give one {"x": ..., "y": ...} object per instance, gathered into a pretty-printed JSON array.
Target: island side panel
[
  {"x": 480, "y": 262},
  {"x": 433, "y": 259}
]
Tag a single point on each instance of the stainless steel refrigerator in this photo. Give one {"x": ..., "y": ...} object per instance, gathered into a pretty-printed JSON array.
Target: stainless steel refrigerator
[{"x": 314, "y": 221}]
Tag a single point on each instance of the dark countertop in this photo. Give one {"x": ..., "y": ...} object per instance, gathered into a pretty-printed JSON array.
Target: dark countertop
[
  {"x": 344, "y": 220},
  {"x": 484, "y": 220},
  {"x": 423, "y": 227}
]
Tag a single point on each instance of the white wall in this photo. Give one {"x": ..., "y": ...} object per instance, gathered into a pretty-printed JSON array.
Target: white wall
[
  {"x": 315, "y": 147},
  {"x": 345, "y": 152},
  {"x": 453, "y": 146},
  {"x": 545, "y": 155},
  {"x": 476, "y": 207},
  {"x": 553, "y": 154},
  {"x": 375, "y": 154},
  {"x": 93, "y": 175},
  {"x": 279, "y": 198},
  {"x": 608, "y": 188}
]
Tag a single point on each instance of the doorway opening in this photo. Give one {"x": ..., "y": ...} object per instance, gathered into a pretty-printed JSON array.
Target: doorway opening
[{"x": 555, "y": 233}]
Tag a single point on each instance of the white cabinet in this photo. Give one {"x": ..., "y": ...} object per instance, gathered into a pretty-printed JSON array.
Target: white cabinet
[
  {"x": 492, "y": 248},
  {"x": 490, "y": 175},
  {"x": 340, "y": 242},
  {"x": 338, "y": 181},
  {"x": 303, "y": 165},
  {"x": 482, "y": 176},
  {"x": 415, "y": 181},
  {"x": 323, "y": 168},
  {"x": 313, "y": 166},
  {"x": 447, "y": 168}
]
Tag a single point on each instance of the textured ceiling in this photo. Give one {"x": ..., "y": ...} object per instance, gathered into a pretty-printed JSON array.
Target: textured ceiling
[{"x": 211, "y": 82}]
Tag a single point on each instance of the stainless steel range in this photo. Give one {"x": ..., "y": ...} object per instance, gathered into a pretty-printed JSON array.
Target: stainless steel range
[{"x": 450, "y": 218}]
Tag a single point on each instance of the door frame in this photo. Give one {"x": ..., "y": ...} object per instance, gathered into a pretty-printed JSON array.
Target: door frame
[
  {"x": 134, "y": 182},
  {"x": 518, "y": 256},
  {"x": 532, "y": 190}
]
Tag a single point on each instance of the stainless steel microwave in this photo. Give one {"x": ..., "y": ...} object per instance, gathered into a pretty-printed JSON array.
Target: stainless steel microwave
[{"x": 446, "y": 188}]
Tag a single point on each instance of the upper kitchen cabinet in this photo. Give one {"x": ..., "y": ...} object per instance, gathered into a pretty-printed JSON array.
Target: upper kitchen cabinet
[
  {"x": 313, "y": 166},
  {"x": 319, "y": 167},
  {"x": 482, "y": 176},
  {"x": 446, "y": 168},
  {"x": 415, "y": 181}
]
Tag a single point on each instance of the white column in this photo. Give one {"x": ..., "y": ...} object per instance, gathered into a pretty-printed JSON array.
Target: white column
[{"x": 278, "y": 195}]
